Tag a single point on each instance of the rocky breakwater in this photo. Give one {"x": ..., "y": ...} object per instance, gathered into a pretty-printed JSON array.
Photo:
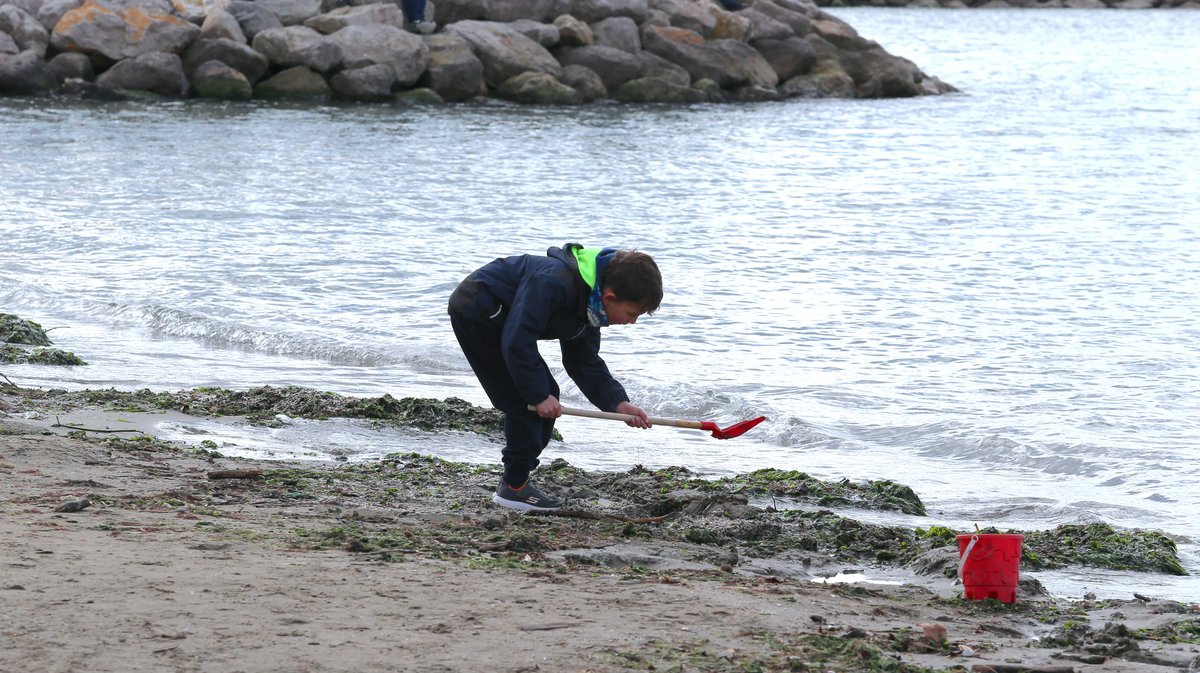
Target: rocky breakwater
[
  {"x": 529, "y": 51},
  {"x": 1021, "y": 4}
]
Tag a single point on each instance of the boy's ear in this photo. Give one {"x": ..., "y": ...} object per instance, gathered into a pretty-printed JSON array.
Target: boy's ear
[{"x": 607, "y": 295}]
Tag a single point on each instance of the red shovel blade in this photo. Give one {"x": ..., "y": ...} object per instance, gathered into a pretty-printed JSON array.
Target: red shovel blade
[{"x": 735, "y": 430}]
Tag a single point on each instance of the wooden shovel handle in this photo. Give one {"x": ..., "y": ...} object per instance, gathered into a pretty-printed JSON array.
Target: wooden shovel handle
[{"x": 613, "y": 416}]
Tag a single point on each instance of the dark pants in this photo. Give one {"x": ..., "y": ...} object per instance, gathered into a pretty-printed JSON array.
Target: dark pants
[
  {"x": 525, "y": 433},
  {"x": 414, "y": 10}
]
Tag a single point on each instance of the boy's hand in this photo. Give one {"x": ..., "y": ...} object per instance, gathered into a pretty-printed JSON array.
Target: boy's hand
[
  {"x": 549, "y": 408},
  {"x": 641, "y": 420}
]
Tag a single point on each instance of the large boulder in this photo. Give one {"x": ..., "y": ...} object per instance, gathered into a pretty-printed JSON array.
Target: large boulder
[
  {"x": 298, "y": 45},
  {"x": 220, "y": 24},
  {"x": 729, "y": 63},
  {"x": 790, "y": 57},
  {"x": 72, "y": 65},
  {"x": 453, "y": 71},
  {"x": 25, "y": 30},
  {"x": 655, "y": 90},
  {"x": 827, "y": 79},
  {"x": 797, "y": 21},
  {"x": 545, "y": 34},
  {"x": 542, "y": 11},
  {"x": 236, "y": 55},
  {"x": 687, "y": 14},
  {"x": 292, "y": 12},
  {"x": 585, "y": 81},
  {"x": 504, "y": 52},
  {"x": 592, "y": 11},
  {"x": 158, "y": 72},
  {"x": 840, "y": 34},
  {"x": 214, "y": 79},
  {"x": 614, "y": 66},
  {"x": 8, "y": 45},
  {"x": 657, "y": 67},
  {"x": 368, "y": 83},
  {"x": 26, "y": 74},
  {"x": 363, "y": 15},
  {"x": 453, "y": 11},
  {"x": 538, "y": 88},
  {"x": 380, "y": 44},
  {"x": 253, "y": 18},
  {"x": 889, "y": 76},
  {"x": 298, "y": 82},
  {"x": 572, "y": 32},
  {"x": 124, "y": 30},
  {"x": 763, "y": 27},
  {"x": 619, "y": 32}
]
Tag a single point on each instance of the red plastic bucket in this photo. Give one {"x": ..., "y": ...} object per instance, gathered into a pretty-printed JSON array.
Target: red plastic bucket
[{"x": 989, "y": 565}]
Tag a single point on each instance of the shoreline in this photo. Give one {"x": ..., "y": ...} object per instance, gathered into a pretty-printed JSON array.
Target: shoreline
[{"x": 180, "y": 571}]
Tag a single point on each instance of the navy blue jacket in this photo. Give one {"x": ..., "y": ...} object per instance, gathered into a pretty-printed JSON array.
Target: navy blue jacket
[{"x": 532, "y": 297}]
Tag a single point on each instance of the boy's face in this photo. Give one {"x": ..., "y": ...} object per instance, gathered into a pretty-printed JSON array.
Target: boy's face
[{"x": 619, "y": 311}]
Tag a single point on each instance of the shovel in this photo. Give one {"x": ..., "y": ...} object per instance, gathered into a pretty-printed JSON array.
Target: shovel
[{"x": 735, "y": 430}]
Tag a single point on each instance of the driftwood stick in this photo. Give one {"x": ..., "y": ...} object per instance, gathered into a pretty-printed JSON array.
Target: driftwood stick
[
  {"x": 235, "y": 474},
  {"x": 58, "y": 424},
  {"x": 2, "y": 376}
]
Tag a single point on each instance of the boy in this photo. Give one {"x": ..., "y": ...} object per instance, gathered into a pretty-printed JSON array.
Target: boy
[{"x": 500, "y": 312}]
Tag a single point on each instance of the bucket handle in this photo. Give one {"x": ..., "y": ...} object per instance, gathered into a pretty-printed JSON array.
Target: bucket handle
[{"x": 966, "y": 552}]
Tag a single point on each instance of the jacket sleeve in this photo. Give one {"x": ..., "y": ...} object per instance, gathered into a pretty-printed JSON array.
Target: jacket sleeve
[
  {"x": 537, "y": 298},
  {"x": 581, "y": 359}
]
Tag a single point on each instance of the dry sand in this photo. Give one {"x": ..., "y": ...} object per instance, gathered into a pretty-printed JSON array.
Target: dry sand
[{"x": 169, "y": 570}]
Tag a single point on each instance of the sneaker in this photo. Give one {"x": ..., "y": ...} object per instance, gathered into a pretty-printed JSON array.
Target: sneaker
[
  {"x": 527, "y": 498},
  {"x": 421, "y": 27}
]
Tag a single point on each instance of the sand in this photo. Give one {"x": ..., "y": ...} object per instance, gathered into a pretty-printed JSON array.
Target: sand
[{"x": 167, "y": 569}]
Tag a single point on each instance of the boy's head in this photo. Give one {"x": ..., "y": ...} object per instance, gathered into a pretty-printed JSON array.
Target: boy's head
[{"x": 633, "y": 282}]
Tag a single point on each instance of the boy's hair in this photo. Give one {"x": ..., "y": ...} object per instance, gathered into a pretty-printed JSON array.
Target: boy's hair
[{"x": 634, "y": 276}]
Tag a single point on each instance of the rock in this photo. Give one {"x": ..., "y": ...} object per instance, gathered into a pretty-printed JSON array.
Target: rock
[
  {"x": 292, "y": 12},
  {"x": 453, "y": 71},
  {"x": 123, "y": 31},
  {"x": 615, "y": 67},
  {"x": 74, "y": 505},
  {"x": 591, "y": 11},
  {"x": 653, "y": 65},
  {"x": 72, "y": 65},
  {"x": 368, "y": 83},
  {"x": 363, "y": 15},
  {"x": 584, "y": 80},
  {"x": 538, "y": 88},
  {"x": 52, "y": 11},
  {"x": 655, "y": 90},
  {"x": 8, "y": 45},
  {"x": 545, "y": 34},
  {"x": 729, "y": 63},
  {"x": 298, "y": 45},
  {"x": 827, "y": 79},
  {"x": 220, "y": 24},
  {"x": 686, "y": 14},
  {"x": 25, "y": 30},
  {"x": 754, "y": 93},
  {"x": 790, "y": 57},
  {"x": 889, "y": 76},
  {"x": 214, "y": 79},
  {"x": 294, "y": 83},
  {"x": 572, "y": 32},
  {"x": 453, "y": 11},
  {"x": 840, "y": 34},
  {"x": 542, "y": 11},
  {"x": 763, "y": 27},
  {"x": 504, "y": 52},
  {"x": 800, "y": 24},
  {"x": 618, "y": 32},
  {"x": 157, "y": 72},
  {"x": 365, "y": 45},
  {"x": 729, "y": 26},
  {"x": 236, "y": 55},
  {"x": 26, "y": 74},
  {"x": 420, "y": 96},
  {"x": 253, "y": 18}
]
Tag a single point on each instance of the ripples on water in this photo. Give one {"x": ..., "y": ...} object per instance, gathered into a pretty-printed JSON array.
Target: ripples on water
[{"x": 988, "y": 296}]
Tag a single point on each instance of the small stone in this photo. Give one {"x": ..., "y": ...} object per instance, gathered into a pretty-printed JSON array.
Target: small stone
[{"x": 74, "y": 505}]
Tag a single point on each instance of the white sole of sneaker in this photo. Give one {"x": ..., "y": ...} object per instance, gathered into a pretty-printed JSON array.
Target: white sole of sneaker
[{"x": 522, "y": 506}]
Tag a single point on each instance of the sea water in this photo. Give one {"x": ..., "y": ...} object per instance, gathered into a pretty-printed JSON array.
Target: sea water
[{"x": 989, "y": 296}]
